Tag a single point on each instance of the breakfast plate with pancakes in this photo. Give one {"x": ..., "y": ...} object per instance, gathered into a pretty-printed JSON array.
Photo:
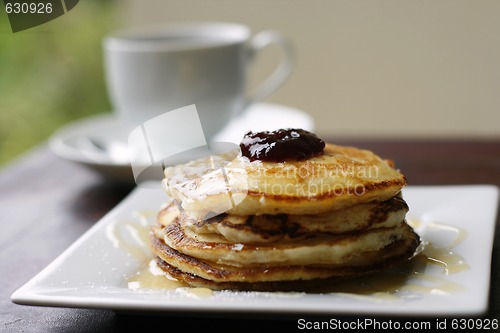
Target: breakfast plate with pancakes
[{"x": 329, "y": 230}]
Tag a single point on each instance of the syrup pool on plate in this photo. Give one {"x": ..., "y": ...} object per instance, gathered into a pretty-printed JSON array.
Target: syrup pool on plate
[{"x": 132, "y": 237}]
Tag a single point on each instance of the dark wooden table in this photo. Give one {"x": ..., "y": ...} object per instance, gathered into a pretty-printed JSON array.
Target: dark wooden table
[{"x": 46, "y": 203}]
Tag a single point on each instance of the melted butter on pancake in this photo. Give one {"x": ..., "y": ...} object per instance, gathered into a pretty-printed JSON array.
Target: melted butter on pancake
[{"x": 339, "y": 178}]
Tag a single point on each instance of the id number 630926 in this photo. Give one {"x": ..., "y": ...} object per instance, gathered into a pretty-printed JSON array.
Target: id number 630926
[{"x": 28, "y": 8}]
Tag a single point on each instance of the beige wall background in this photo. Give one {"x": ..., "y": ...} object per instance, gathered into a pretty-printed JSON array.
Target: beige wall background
[{"x": 371, "y": 68}]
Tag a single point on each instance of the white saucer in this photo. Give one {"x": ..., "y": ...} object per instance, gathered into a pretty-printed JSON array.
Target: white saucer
[{"x": 73, "y": 141}]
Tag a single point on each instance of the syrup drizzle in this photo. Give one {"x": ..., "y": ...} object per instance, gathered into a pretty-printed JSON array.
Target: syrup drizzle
[
  {"x": 444, "y": 256},
  {"x": 132, "y": 237}
]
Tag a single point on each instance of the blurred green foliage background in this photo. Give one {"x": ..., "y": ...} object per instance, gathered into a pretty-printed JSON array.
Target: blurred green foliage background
[{"x": 51, "y": 74}]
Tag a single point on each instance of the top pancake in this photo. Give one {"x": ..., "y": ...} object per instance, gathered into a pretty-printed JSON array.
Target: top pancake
[{"x": 341, "y": 177}]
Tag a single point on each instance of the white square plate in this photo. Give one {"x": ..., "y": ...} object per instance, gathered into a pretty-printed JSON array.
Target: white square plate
[{"x": 457, "y": 221}]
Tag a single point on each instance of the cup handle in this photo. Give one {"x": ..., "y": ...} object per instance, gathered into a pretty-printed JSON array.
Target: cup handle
[{"x": 282, "y": 71}]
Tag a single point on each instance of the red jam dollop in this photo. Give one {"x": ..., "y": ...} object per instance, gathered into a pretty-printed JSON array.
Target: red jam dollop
[{"x": 282, "y": 145}]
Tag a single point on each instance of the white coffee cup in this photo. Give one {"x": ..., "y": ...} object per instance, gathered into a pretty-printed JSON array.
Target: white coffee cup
[{"x": 151, "y": 70}]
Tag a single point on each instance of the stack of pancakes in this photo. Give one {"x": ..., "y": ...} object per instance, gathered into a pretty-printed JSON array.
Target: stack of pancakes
[{"x": 230, "y": 223}]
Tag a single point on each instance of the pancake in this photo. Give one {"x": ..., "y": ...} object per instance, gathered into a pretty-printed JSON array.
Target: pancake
[
  {"x": 272, "y": 228},
  {"x": 320, "y": 249},
  {"x": 339, "y": 178},
  {"x": 218, "y": 276},
  {"x": 251, "y": 221}
]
